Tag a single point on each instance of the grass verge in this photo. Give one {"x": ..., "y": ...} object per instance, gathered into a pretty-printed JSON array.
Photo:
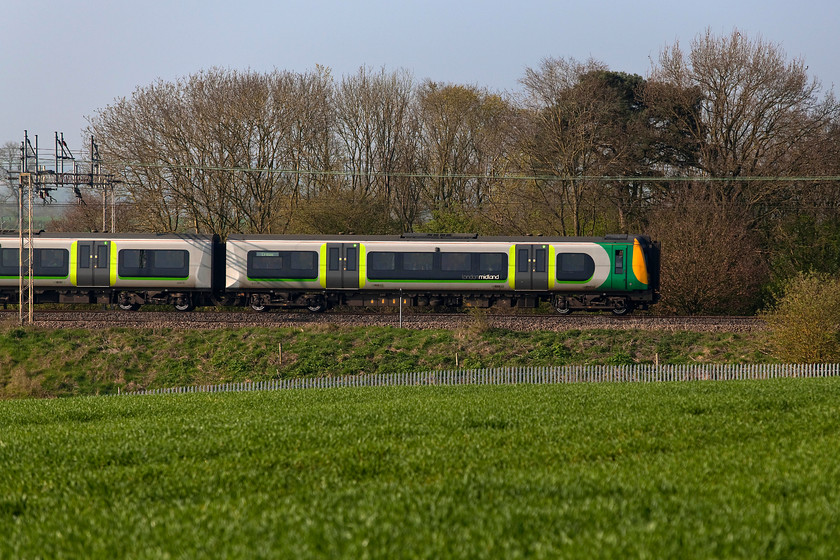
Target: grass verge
[{"x": 64, "y": 362}]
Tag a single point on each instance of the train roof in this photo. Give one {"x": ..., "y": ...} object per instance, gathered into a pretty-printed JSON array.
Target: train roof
[
  {"x": 98, "y": 235},
  {"x": 443, "y": 237},
  {"x": 427, "y": 237}
]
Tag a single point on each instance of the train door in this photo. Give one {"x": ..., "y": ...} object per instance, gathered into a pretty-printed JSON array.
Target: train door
[
  {"x": 343, "y": 265},
  {"x": 620, "y": 260},
  {"x": 531, "y": 267},
  {"x": 93, "y": 260}
]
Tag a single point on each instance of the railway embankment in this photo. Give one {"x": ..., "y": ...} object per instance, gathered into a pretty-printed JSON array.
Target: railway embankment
[{"x": 93, "y": 355}]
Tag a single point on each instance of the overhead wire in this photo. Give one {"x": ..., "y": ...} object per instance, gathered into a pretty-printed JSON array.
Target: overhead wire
[
  {"x": 83, "y": 160},
  {"x": 505, "y": 177},
  {"x": 126, "y": 166}
]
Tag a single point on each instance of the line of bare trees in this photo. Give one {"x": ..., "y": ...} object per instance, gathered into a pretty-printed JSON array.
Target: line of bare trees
[{"x": 715, "y": 153}]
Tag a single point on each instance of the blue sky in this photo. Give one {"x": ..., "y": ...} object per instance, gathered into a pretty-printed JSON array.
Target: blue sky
[{"x": 62, "y": 61}]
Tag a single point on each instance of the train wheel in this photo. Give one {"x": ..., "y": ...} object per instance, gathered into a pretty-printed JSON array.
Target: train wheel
[
  {"x": 184, "y": 304},
  {"x": 561, "y": 306},
  {"x": 621, "y": 309},
  {"x": 125, "y": 302},
  {"x": 259, "y": 302}
]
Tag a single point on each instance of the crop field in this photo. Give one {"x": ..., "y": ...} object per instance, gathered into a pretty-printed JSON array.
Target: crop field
[{"x": 692, "y": 470}]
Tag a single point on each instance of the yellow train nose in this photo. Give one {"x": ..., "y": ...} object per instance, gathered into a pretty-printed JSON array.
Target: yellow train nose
[{"x": 639, "y": 265}]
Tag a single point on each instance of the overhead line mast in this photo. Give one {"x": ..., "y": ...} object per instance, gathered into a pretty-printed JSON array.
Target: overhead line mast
[
  {"x": 42, "y": 181},
  {"x": 25, "y": 289}
]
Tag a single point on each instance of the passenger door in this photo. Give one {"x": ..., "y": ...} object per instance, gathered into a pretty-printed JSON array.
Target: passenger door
[
  {"x": 93, "y": 263},
  {"x": 531, "y": 267},
  {"x": 620, "y": 262},
  {"x": 343, "y": 265}
]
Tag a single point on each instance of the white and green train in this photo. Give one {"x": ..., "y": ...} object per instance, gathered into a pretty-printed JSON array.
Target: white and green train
[{"x": 613, "y": 273}]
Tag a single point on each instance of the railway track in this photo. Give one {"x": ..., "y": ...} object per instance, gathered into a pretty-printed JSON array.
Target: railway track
[{"x": 225, "y": 319}]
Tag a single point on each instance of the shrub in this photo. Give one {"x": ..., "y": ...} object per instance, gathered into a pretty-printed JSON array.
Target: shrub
[
  {"x": 805, "y": 320},
  {"x": 711, "y": 258}
]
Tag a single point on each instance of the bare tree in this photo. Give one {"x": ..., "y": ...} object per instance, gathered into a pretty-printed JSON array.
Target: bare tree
[
  {"x": 9, "y": 191},
  {"x": 569, "y": 113},
  {"x": 375, "y": 124},
  {"x": 312, "y": 153},
  {"x": 133, "y": 137},
  {"x": 220, "y": 151},
  {"x": 466, "y": 138},
  {"x": 87, "y": 216},
  {"x": 756, "y": 111},
  {"x": 225, "y": 151}
]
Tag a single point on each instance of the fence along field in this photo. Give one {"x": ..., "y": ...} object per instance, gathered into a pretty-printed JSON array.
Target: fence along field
[{"x": 640, "y": 373}]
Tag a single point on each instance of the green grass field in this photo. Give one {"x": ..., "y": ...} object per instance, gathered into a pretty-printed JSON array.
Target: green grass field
[{"x": 697, "y": 470}]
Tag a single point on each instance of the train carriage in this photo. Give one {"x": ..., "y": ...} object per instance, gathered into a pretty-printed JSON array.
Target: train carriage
[
  {"x": 616, "y": 273},
  {"x": 268, "y": 271},
  {"x": 125, "y": 269}
]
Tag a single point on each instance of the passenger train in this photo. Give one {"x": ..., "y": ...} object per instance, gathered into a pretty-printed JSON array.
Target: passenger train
[{"x": 616, "y": 273}]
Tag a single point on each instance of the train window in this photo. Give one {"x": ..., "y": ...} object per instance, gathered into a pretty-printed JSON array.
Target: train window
[
  {"x": 334, "y": 258},
  {"x": 442, "y": 266},
  {"x": 619, "y": 261},
  {"x": 350, "y": 261},
  {"x": 456, "y": 262},
  {"x": 574, "y": 267},
  {"x": 400, "y": 266},
  {"x": 9, "y": 262},
  {"x": 418, "y": 261},
  {"x": 523, "y": 260},
  {"x": 267, "y": 260},
  {"x": 101, "y": 256},
  {"x": 148, "y": 263},
  {"x": 303, "y": 260},
  {"x": 170, "y": 259},
  {"x": 283, "y": 265},
  {"x": 539, "y": 260},
  {"x": 84, "y": 256},
  {"x": 141, "y": 260},
  {"x": 381, "y": 262},
  {"x": 48, "y": 262},
  {"x": 437, "y": 266},
  {"x": 133, "y": 259},
  {"x": 51, "y": 262},
  {"x": 492, "y": 262}
]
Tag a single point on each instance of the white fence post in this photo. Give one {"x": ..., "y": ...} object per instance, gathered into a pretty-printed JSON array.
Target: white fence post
[{"x": 521, "y": 375}]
